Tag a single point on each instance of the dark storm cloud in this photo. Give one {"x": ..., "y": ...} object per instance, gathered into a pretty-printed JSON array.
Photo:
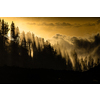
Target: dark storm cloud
[
  {"x": 86, "y": 46},
  {"x": 31, "y": 23},
  {"x": 89, "y": 24},
  {"x": 63, "y": 24},
  {"x": 66, "y": 24},
  {"x": 59, "y": 36},
  {"x": 83, "y": 47},
  {"x": 51, "y": 24},
  {"x": 98, "y": 22},
  {"x": 46, "y": 24},
  {"x": 77, "y": 25},
  {"x": 86, "y": 24},
  {"x": 63, "y": 43},
  {"x": 55, "y": 24},
  {"x": 82, "y": 43}
]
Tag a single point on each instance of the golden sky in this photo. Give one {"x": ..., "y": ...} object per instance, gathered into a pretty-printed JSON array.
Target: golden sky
[{"x": 47, "y": 27}]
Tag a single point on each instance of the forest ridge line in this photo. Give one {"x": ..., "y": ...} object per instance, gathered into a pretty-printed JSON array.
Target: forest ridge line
[{"x": 27, "y": 50}]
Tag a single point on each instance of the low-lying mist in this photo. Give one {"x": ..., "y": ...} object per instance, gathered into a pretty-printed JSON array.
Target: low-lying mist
[
  {"x": 60, "y": 52},
  {"x": 82, "y": 51}
]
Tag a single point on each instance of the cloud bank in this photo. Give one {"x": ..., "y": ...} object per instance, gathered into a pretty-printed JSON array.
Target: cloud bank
[
  {"x": 65, "y": 24},
  {"x": 85, "y": 48}
]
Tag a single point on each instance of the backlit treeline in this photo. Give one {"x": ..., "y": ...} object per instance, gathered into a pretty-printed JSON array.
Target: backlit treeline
[
  {"x": 26, "y": 49},
  {"x": 76, "y": 62}
]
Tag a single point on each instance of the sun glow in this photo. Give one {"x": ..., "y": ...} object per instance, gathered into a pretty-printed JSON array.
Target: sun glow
[{"x": 9, "y": 35}]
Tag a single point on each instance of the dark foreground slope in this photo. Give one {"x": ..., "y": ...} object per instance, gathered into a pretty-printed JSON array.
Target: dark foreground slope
[{"x": 16, "y": 75}]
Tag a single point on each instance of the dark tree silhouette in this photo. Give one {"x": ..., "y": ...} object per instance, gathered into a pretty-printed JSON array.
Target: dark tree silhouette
[
  {"x": 69, "y": 63},
  {"x": 44, "y": 55},
  {"x": 14, "y": 45},
  {"x": 77, "y": 65},
  {"x": 3, "y": 41},
  {"x": 14, "y": 55},
  {"x": 90, "y": 62},
  {"x": 23, "y": 42}
]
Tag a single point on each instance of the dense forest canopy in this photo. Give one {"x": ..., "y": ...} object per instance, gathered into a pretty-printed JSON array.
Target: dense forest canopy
[{"x": 27, "y": 50}]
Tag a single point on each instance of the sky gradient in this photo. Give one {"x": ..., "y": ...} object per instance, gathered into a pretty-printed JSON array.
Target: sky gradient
[
  {"x": 47, "y": 27},
  {"x": 67, "y": 35}
]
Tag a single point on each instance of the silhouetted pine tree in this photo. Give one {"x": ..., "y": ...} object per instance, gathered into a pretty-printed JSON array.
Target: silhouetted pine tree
[
  {"x": 3, "y": 28},
  {"x": 34, "y": 48},
  {"x": 48, "y": 58},
  {"x": 85, "y": 64},
  {"x": 24, "y": 52},
  {"x": 14, "y": 45},
  {"x": 44, "y": 55},
  {"x": 3, "y": 40},
  {"x": 29, "y": 45},
  {"x": 68, "y": 62},
  {"x": 23, "y": 41},
  {"x": 77, "y": 65},
  {"x": 98, "y": 61},
  {"x": 90, "y": 62},
  {"x": 82, "y": 64}
]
